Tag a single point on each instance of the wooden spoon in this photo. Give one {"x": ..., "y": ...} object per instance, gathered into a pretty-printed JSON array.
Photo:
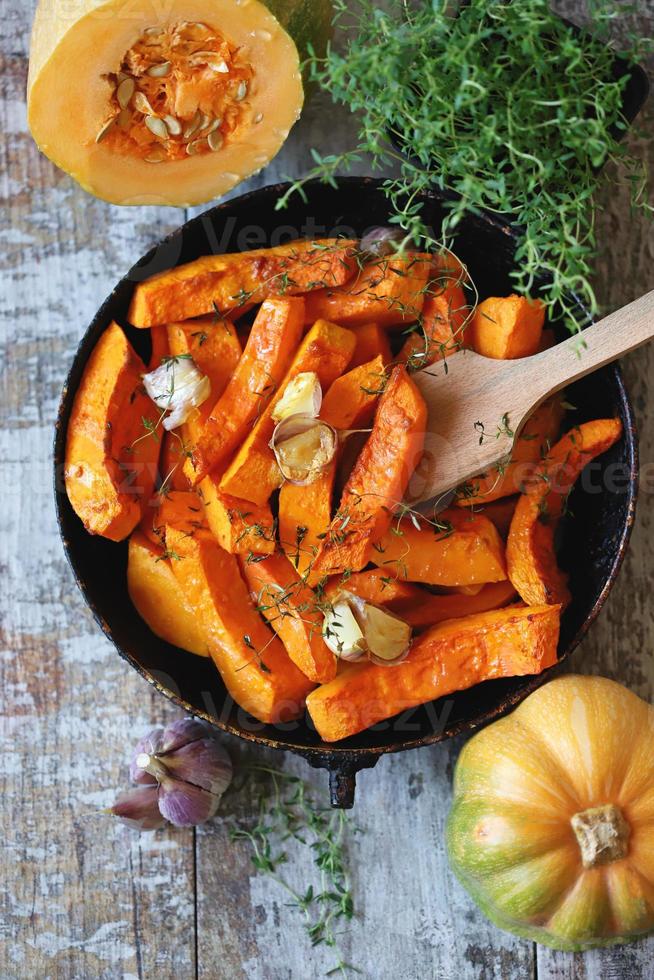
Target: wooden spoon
[{"x": 477, "y": 406}]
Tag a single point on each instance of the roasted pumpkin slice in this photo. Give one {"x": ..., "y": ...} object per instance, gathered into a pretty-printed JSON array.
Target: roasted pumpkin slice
[
  {"x": 252, "y": 661},
  {"x": 460, "y": 549},
  {"x": 377, "y": 483},
  {"x": 452, "y": 656},
  {"x": 388, "y": 291},
  {"x": 167, "y": 103},
  {"x": 158, "y": 598},
  {"x": 291, "y": 607},
  {"x": 235, "y": 282},
  {"x": 530, "y": 552},
  {"x": 112, "y": 450},
  {"x": 532, "y": 445}
]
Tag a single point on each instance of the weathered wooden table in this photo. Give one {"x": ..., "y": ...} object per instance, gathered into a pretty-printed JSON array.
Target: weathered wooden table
[{"x": 84, "y": 897}]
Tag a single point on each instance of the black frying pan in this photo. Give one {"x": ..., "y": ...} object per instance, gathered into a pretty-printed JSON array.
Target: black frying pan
[{"x": 593, "y": 540}]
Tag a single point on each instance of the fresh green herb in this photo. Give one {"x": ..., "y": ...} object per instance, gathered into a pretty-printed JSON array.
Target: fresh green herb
[
  {"x": 504, "y": 107},
  {"x": 287, "y": 813}
]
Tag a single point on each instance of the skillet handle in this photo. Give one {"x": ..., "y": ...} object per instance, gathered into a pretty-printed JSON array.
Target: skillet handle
[{"x": 342, "y": 769}]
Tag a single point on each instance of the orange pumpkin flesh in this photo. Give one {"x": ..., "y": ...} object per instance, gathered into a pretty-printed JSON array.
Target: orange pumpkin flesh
[
  {"x": 158, "y": 598},
  {"x": 111, "y": 457},
  {"x": 552, "y": 825},
  {"x": 530, "y": 553}
]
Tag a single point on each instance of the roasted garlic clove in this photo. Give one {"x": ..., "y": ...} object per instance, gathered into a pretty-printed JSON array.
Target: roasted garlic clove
[
  {"x": 302, "y": 396},
  {"x": 303, "y": 448},
  {"x": 342, "y": 633},
  {"x": 178, "y": 388}
]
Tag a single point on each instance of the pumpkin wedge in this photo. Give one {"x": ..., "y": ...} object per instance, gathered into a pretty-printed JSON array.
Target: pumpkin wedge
[
  {"x": 268, "y": 352},
  {"x": 464, "y": 549},
  {"x": 240, "y": 527},
  {"x": 530, "y": 551},
  {"x": 112, "y": 451},
  {"x": 536, "y": 439},
  {"x": 507, "y": 327},
  {"x": 388, "y": 291},
  {"x": 254, "y": 474},
  {"x": 380, "y": 476},
  {"x": 441, "y": 330},
  {"x": 168, "y": 103},
  {"x": 181, "y": 509},
  {"x": 160, "y": 348},
  {"x": 433, "y": 609},
  {"x": 253, "y": 664},
  {"x": 351, "y": 400},
  {"x": 231, "y": 284},
  {"x": 155, "y": 592},
  {"x": 305, "y": 514},
  {"x": 291, "y": 608},
  {"x": 376, "y": 586},
  {"x": 413, "y": 604},
  {"x": 452, "y": 656}
]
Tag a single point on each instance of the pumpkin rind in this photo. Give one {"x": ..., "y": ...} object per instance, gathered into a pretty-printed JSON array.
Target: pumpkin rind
[{"x": 576, "y": 744}]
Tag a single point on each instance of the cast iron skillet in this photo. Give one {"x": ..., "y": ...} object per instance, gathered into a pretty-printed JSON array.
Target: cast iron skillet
[{"x": 593, "y": 540}]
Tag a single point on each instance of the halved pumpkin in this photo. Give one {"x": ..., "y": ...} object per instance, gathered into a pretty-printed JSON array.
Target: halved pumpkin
[{"x": 169, "y": 103}]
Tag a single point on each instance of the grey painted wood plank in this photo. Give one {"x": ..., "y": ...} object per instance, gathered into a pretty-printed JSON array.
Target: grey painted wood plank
[{"x": 83, "y": 897}]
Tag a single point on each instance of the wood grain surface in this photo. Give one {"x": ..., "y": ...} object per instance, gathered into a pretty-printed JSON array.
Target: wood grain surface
[{"x": 83, "y": 897}]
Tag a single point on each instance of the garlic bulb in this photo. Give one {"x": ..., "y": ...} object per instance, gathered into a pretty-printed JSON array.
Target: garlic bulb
[
  {"x": 302, "y": 396},
  {"x": 178, "y": 387},
  {"x": 303, "y": 447},
  {"x": 182, "y": 771}
]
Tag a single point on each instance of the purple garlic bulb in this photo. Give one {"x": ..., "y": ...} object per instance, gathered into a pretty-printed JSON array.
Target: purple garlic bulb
[{"x": 181, "y": 772}]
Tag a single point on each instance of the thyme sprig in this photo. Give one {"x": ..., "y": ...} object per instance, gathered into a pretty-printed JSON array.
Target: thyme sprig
[
  {"x": 505, "y": 108},
  {"x": 286, "y": 813}
]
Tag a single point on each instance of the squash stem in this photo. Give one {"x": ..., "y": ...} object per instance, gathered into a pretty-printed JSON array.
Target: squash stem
[{"x": 602, "y": 834}]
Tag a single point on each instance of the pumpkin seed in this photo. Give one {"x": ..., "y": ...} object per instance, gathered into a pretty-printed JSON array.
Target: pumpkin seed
[
  {"x": 105, "y": 129},
  {"x": 121, "y": 76},
  {"x": 141, "y": 104},
  {"x": 125, "y": 91},
  {"x": 158, "y": 156},
  {"x": 192, "y": 128},
  {"x": 160, "y": 71},
  {"x": 258, "y": 117},
  {"x": 157, "y": 126},
  {"x": 220, "y": 67},
  {"x": 124, "y": 118},
  {"x": 216, "y": 124},
  {"x": 174, "y": 125},
  {"x": 195, "y": 146},
  {"x": 149, "y": 31},
  {"x": 190, "y": 24},
  {"x": 212, "y": 60},
  {"x": 241, "y": 91},
  {"x": 215, "y": 141}
]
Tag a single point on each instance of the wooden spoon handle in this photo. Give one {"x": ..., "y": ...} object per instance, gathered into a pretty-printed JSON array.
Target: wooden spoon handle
[{"x": 603, "y": 342}]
